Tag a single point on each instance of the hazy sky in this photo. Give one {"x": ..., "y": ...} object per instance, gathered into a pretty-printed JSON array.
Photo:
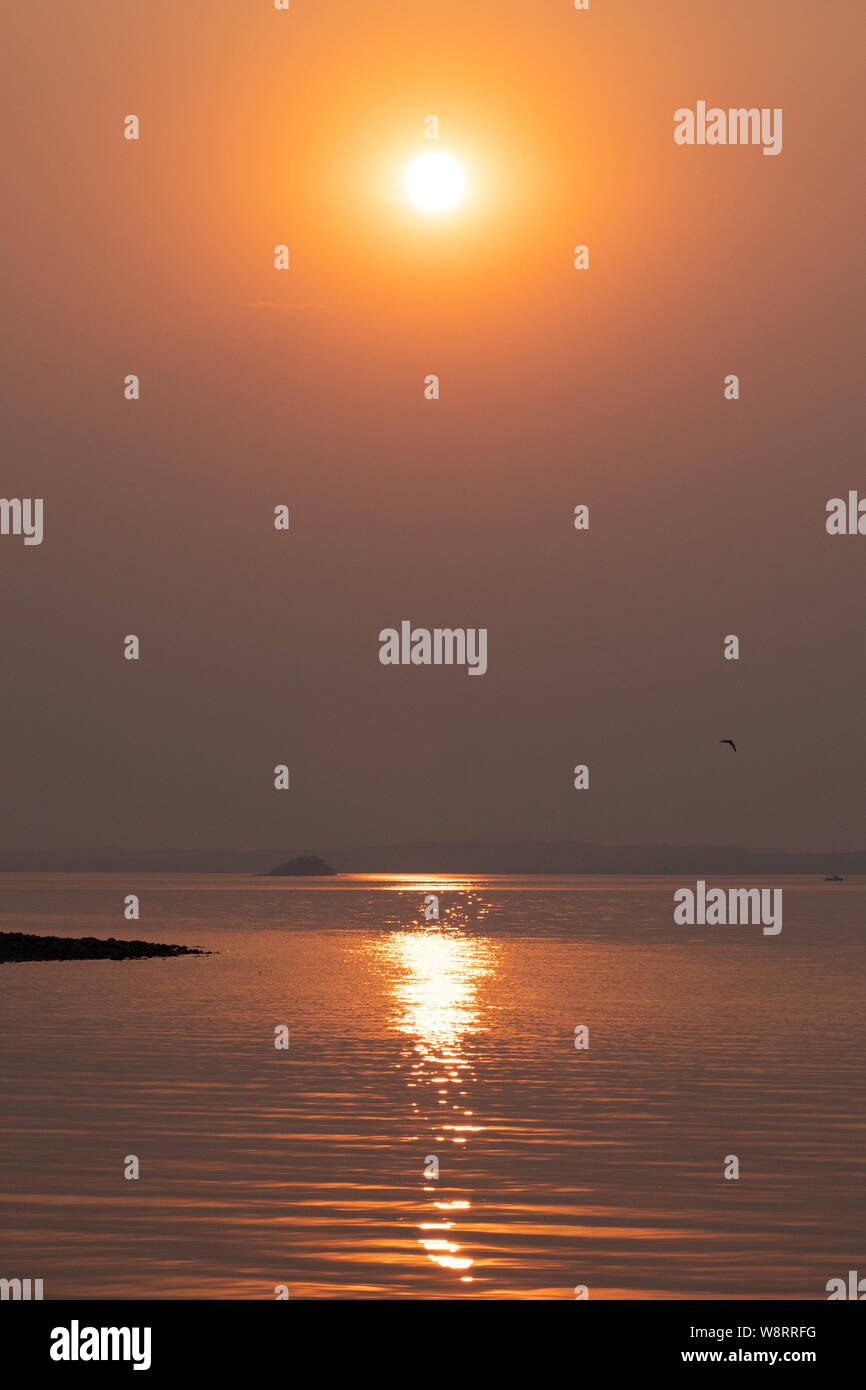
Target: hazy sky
[{"x": 306, "y": 387}]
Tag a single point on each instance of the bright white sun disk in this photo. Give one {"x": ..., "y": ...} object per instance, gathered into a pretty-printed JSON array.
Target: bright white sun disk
[{"x": 434, "y": 182}]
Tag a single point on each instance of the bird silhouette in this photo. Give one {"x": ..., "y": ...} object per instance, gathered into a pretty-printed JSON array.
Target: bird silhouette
[{"x": 730, "y": 741}]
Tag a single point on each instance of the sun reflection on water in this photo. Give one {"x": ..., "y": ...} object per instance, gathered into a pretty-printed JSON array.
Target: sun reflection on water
[{"x": 435, "y": 970}]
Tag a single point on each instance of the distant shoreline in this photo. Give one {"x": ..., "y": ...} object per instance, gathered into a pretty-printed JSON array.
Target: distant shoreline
[
  {"x": 681, "y": 871},
  {"x": 519, "y": 858}
]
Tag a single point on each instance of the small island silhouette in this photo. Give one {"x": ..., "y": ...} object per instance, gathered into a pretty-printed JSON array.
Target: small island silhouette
[{"x": 305, "y": 866}]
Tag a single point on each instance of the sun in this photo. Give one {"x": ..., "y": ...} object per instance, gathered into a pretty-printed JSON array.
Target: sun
[{"x": 435, "y": 182}]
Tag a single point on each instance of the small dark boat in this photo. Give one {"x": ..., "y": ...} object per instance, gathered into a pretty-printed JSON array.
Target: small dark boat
[{"x": 834, "y": 878}]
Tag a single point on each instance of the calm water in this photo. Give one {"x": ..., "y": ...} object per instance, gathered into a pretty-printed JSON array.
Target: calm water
[{"x": 454, "y": 1039}]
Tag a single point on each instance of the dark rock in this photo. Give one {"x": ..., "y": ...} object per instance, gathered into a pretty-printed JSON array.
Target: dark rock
[
  {"x": 305, "y": 866},
  {"x": 17, "y": 946}
]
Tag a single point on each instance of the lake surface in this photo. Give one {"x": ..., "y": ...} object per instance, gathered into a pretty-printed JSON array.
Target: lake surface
[{"x": 451, "y": 1039}]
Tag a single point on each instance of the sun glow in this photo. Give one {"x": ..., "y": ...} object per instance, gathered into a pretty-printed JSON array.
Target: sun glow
[{"x": 435, "y": 182}]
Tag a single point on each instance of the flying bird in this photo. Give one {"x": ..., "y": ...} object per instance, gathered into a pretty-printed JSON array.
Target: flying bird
[{"x": 730, "y": 741}]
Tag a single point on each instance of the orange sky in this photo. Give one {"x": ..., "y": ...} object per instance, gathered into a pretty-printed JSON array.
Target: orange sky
[{"x": 558, "y": 387}]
